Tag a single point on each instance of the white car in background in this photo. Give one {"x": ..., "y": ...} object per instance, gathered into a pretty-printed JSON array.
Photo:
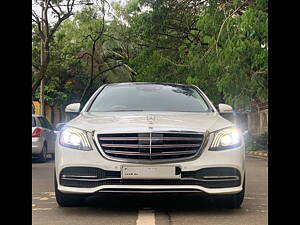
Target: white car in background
[
  {"x": 149, "y": 138},
  {"x": 43, "y": 138}
]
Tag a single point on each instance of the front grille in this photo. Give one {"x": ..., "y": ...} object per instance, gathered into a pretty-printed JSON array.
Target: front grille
[
  {"x": 89, "y": 177},
  {"x": 151, "y": 146}
]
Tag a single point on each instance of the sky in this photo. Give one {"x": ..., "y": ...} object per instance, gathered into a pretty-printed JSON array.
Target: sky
[{"x": 37, "y": 8}]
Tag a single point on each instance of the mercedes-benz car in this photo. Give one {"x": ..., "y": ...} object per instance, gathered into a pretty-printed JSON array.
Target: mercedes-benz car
[{"x": 149, "y": 138}]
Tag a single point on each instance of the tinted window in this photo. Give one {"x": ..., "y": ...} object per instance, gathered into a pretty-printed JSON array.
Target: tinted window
[
  {"x": 42, "y": 122},
  {"x": 149, "y": 97},
  {"x": 33, "y": 122},
  {"x": 46, "y": 123}
]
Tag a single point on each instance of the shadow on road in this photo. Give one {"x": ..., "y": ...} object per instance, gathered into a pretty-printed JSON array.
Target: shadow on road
[
  {"x": 36, "y": 160},
  {"x": 165, "y": 202}
]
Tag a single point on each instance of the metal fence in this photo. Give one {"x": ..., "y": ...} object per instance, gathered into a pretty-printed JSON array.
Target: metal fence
[{"x": 258, "y": 122}]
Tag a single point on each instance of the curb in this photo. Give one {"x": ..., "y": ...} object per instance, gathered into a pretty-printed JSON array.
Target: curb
[{"x": 261, "y": 154}]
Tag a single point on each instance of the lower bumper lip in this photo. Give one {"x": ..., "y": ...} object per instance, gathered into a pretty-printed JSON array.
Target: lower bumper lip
[{"x": 150, "y": 191}]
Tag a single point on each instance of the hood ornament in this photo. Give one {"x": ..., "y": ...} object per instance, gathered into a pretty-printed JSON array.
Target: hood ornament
[{"x": 151, "y": 118}]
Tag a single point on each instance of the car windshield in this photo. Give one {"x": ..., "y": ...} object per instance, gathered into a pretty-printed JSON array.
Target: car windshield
[
  {"x": 33, "y": 122},
  {"x": 149, "y": 97}
]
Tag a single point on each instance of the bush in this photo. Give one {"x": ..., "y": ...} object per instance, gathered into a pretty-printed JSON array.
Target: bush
[{"x": 255, "y": 143}]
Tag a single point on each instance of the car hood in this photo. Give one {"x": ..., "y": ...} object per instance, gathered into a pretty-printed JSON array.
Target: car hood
[{"x": 107, "y": 122}]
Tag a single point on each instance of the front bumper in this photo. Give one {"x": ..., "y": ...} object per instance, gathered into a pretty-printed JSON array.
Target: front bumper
[{"x": 231, "y": 159}]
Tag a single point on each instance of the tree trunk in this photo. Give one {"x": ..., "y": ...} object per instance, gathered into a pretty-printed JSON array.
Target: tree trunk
[
  {"x": 91, "y": 74},
  {"x": 43, "y": 68}
]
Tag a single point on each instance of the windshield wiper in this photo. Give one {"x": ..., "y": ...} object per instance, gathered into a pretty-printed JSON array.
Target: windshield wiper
[{"x": 125, "y": 110}]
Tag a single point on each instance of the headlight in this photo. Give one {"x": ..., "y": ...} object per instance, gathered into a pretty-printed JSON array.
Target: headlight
[
  {"x": 226, "y": 138},
  {"x": 74, "y": 138}
]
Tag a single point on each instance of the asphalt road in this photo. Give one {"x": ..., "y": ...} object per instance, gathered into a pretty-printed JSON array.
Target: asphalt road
[{"x": 150, "y": 209}]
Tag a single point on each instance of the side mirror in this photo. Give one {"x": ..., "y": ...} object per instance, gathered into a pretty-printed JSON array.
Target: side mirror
[
  {"x": 73, "y": 108},
  {"x": 245, "y": 133},
  {"x": 224, "y": 108},
  {"x": 59, "y": 126}
]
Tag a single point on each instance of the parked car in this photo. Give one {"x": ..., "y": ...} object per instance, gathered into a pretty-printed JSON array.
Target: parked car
[
  {"x": 43, "y": 138},
  {"x": 149, "y": 138}
]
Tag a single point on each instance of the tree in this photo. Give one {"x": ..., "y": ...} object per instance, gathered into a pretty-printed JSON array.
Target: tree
[
  {"x": 98, "y": 50},
  {"x": 46, "y": 30},
  {"x": 221, "y": 46},
  {"x": 82, "y": 58}
]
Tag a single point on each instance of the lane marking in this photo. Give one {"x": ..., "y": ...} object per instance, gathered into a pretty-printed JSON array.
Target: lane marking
[
  {"x": 41, "y": 209},
  {"x": 258, "y": 157},
  {"x": 256, "y": 194},
  {"x": 261, "y": 211},
  {"x": 36, "y": 197},
  {"x": 145, "y": 217},
  {"x": 47, "y": 192},
  {"x": 249, "y": 198},
  {"x": 41, "y": 198}
]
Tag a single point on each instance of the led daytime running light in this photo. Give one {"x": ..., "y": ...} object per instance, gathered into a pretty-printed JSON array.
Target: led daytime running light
[
  {"x": 74, "y": 138},
  {"x": 230, "y": 135}
]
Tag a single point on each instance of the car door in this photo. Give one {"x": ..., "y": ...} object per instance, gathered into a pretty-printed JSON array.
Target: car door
[
  {"x": 51, "y": 135},
  {"x": 41, "y": 124},
  {"x": 45, "y": 133}
]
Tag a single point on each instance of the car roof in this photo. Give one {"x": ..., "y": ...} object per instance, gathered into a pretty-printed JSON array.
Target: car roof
[
  {"x": 150, "y": 83},
  {"x": 37, "y": 115}
]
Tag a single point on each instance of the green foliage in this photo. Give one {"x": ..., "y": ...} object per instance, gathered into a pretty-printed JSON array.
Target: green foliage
[
  {"x": 70, "y": 66},
  {"x": 257, "y": 143},
  {"x": 220, "y": 46}
]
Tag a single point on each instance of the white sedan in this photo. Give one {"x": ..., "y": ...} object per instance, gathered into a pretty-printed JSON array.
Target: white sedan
[{"x": 149, "y": 138}]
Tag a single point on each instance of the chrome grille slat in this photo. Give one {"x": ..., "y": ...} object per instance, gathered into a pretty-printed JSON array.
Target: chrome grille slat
[
  {"x": 148, "y": 139},
  {"x": 175, "y": 153},
  {"x": 127, "y": 152},
  {"x": 151, "y": 146},
  {"x": 153, "y": 154}
]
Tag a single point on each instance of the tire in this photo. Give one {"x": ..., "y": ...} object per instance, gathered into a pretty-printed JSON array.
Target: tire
[
  {"x": 68, "y": 200},
  {"x": 43, "y": 155},
  {"x": 233, "y": 201}
]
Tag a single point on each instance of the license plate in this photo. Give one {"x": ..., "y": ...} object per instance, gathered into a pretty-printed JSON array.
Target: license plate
[{"x": 149, "y": 172}]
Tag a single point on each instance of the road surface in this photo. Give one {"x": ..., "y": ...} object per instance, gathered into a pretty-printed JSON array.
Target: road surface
[{"x": 150, "y": 209}]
